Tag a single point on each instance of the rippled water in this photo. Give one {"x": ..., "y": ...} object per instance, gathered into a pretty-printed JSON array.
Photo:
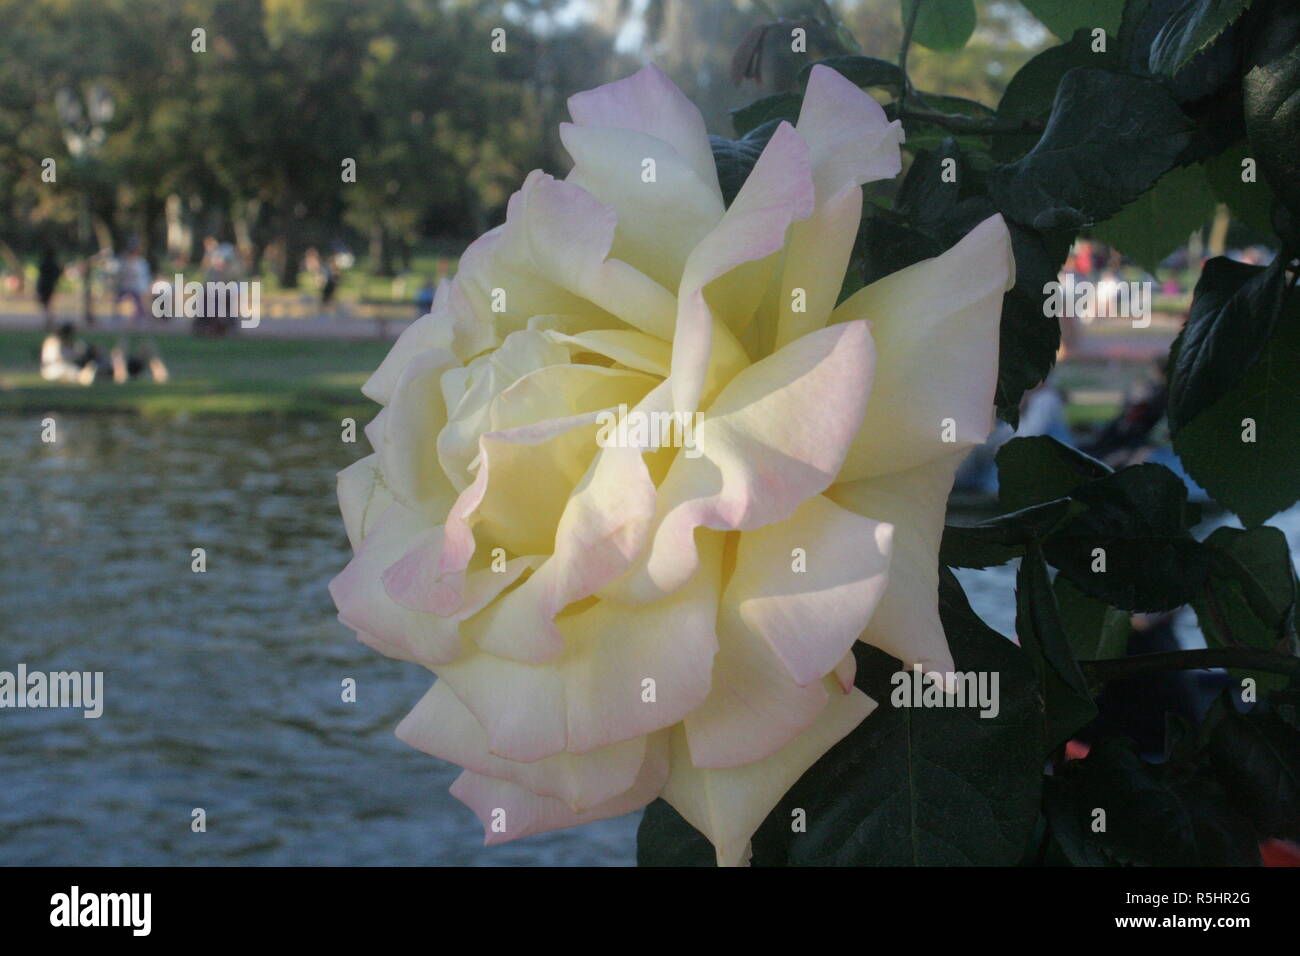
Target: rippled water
[{"x": 222, "y": 689}]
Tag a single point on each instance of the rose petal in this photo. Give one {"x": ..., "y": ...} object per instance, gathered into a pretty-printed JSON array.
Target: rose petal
[
  {"x": 363, "y": 497},
  {"x": 935, "y": 325},
  {"x": 593, "y": 695},
  {"x": 778, "y": 191},
  {"x": 811, "y": 617},
  {"x": 906, "y": 622},
  {"x": 408, "y": 452},
  {"x": 775, "y": 437},
  {"x": 518, "y": 812},
  {"x": 660, "y": 219},
  {"x": 440, "y": 725},
  {"x": 649, "y": 102},
  {"x": 850, "y": 139},
  {"x": 728, "y": 805}
]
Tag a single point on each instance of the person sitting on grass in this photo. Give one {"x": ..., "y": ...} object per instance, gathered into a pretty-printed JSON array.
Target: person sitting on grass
[
  {"x": 128, "y": 366},
  {"x": 65, "y": 359}
]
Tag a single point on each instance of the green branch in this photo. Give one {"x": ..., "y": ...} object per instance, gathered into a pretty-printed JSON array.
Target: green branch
[
  {"x": 965, "y": 124},
  {"x": 908, "y": 27},
  {"x": 1142, "y": 665}
]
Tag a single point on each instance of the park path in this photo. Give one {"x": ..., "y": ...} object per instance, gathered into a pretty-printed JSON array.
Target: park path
[{"x": 18, "y": 316}]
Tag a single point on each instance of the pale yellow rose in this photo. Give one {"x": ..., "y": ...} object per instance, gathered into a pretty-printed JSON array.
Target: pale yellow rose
[{"x": 610, "y": 624}]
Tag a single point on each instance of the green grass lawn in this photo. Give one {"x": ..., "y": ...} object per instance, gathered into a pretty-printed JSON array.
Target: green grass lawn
[
  {"x": 239, "y": 376},
  {"x": 248, "y": 376}
]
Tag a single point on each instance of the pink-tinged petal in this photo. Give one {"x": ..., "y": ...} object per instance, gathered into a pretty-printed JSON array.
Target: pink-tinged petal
[
  {"x": 845, "y": 672},
  {"x": 851, "y": 140},
  {"x": 728, "y": 805},
  {"x": 412, "y": 420},
  {"x": 661, "y": 218},
  {"x": 906, "y": 622},
  {"x": 650, "y": 103},
  {"x": 615, "y": 650},
  {"x": 440, "y": 725},
  {"x": 412, "y": 580},
  {"x": 799, "y": 595},
  {"x": 935, "y": 325},
  {"x": 817, "y": 256},
  {"x": 775, "y": 437},
  {"x": 754, "y": 708},
  {"x": 521, "y": 707},
  {"x": 363, "y": 497},
  {"x": 450, "y": 326},
  {"x": 552, "y": 257},
  {"x": 607, "y": 521},
  {"x": 469, "y": 393},
  {"x": 548, "y": 452},
  {"x": 508, "y": 811},
  {"x": 595, "y": 694},
  {"x": 364, "y": 604},
  {"x": 603, "y": 528},
  {"x": 527, "y": 472},
  {"x": 809, "y": 584},
  {"x": 778, "y": 191}
]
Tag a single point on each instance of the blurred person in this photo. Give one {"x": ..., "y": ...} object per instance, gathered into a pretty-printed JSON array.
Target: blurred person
[
  {"x": 66, "y": 359},
  {"x": 424, "y": 298},
  {"x": 128, "y": 365},
  {"x": 1129, "y": 432},
  {"x": 319, "y": 267},
  {"x": 47, "y": 281},
  {"x": 134, "y": 282}
]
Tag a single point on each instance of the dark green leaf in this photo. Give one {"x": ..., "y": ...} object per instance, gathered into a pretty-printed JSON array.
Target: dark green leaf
[
  {"x": 1255, "y": 478},
  {"x": 863, "y": 71},
  {"x": 1254, "y": 586},
  {"x": 1067, "y": 704},
  {"x": 735, "y": 158},
  {"x": 1153, "y": 816},
  {"x": 1271, "y": 97},
  {"x": 1191, "y": 28},
  {"x": 1235, "y": 308},
  {"x": 1032, "y": 90},
  {"x": 665, "y": 839},
  {"x": 1110, "y": 137},
  {"x": 998, "y": 540},
  {"x": 886, "y": 244},
  {"x": 1096, "y": 630},
  {"x": 942, "y": 24},
  {"x": 1028, "y": 337},
  {"x": 924, "y": 785},
  {"x": 1249, "y": 202},
  {"x": 1064, "y": 17},
  {"x": 782, "y": 106},
  {"x": 1037, "y": 469},
  {"x": 1249, "y": 598},
  {"x": 1138, "y": 517},
  {"x": 1256, "y": 757},
  {"x": 1162, "y": 218}
]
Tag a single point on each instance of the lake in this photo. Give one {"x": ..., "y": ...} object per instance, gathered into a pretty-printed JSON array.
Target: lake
[{"x": 222, "y": 689}]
